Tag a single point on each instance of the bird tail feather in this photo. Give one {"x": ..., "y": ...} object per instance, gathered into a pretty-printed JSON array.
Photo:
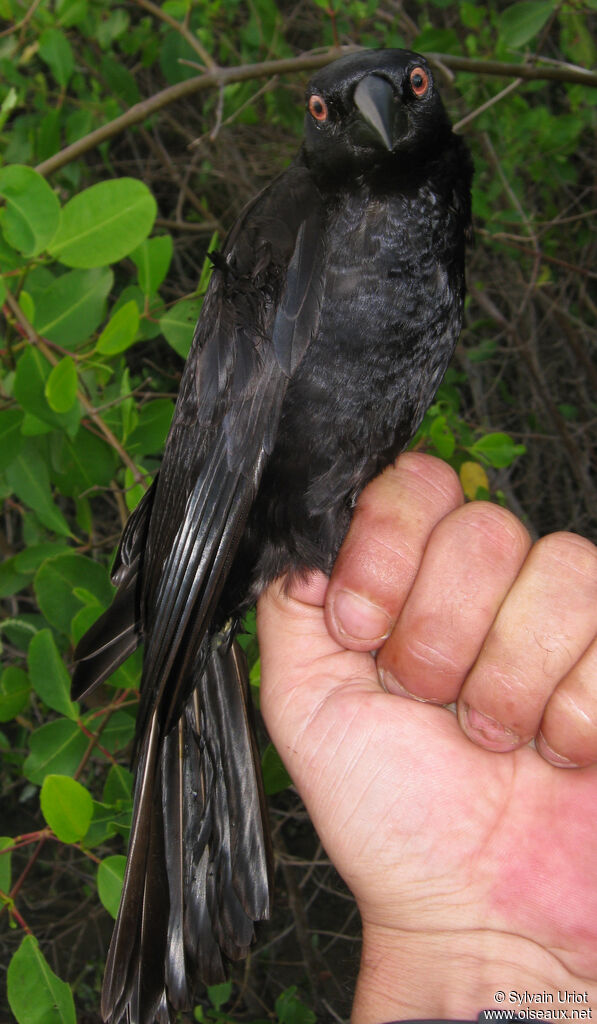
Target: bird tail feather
[{"x": 199, "y": 870}]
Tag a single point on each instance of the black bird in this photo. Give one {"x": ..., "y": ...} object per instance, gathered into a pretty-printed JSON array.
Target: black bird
[{"x": 333, "y": 310}]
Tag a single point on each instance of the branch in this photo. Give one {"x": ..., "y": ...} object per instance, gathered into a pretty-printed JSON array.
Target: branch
[
  {"x": 291, "y": 65},
  {"x": 531, "y": 71},
  {"x": 209, "y": 80}
]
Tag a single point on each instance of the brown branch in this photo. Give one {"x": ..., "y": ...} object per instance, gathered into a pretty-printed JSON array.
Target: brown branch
[
  {"x": 499, "y": 238},
  {"x": 291, "y": 65},
  {"x": 209, "y": 80},
  {"x": 531, "y": 71}
]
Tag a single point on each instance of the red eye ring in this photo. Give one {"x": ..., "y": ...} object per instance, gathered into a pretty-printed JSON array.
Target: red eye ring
[
  {"x": 318, "y": 108},
  {"x": 419, "y": 81}
]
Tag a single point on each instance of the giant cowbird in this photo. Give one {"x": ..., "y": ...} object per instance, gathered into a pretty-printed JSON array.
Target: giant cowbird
[{"x": 332, "y": 312}]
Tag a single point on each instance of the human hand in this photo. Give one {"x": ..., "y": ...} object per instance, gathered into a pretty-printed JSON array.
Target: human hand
[{"x": 474, "y": 872}]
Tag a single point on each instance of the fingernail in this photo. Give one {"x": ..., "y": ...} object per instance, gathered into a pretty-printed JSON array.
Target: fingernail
[
  {"x": 391, "y": 685},
  {"x": 550, "y": 755},
  {"x": 492, "y": 733},
  {"x": 359, "y": 619}
]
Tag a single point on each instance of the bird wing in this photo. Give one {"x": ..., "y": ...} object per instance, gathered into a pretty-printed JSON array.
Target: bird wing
[
  {"x": 198, "y": 803},
  {"x": 260, "y": 313}
]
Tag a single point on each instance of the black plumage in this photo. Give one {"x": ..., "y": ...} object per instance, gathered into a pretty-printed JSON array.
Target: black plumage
[{"x": 332, "y": 313}]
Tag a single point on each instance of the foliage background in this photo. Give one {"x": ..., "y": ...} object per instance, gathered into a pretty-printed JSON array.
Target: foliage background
[{"x": 99, "y": 297}]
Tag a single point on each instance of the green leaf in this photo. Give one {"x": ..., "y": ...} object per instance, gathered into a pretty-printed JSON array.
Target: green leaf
[
  {"x": 11, "y": 581},
  {"x": 112, "y": 27},
  {"x": 118, "y": 786},
  {"x": 104, "y": 823},
  {"x": 119, "y": 731},
  {"x": 33, "y": 370},
  {"x": 20, "y": 631},
  {"x": 497, "y": 449},
  {"x": 128, "y": 676},
  {"x": 11, "y": 438},
  {"x": 11, "y": 100},
  {"x": 150, "y": 434},
  {"x": 520, "y": 22},
  {"x": 32, "y": 210},
  {"x": 5, "y": 864},
  {"x": 82, "y": 463},
  {"x": 290, "y": 1010},
  {"x": 71, "y": 309},
  {"x": 121, "y": 330},
  {"x": 275, "y": 776},
  {"x": 178, "y": 325},
  {"x": 107, "y": 822},
  {"x": 133, "y": 491},
  {"x": 207, "y": 268},
  {"x": 49, "y": 677},
  {"x": 14, "y": 693},
  {"x": 35, "y": 994},
  {"x": 173, "y": 50},
  {"x": 442, "y": 437},
  {"x": 119, "y": 80},
  {"x": 48, "y": 136},
  {"x": 152, "y": 260},
  {"x": 29, "y": 478},
  {"x": 104, "y": 223},
  {"x": 61, "y": 385},
  {"x": 66, "y": 806},
  {"x": 32, "y": 557},
  {"x": 71, "y": 12},
  {"x": 56, "y": 747},
  {"x": 110, "y": 875},
  {"x": 58, "y": 577},
  {"x": 84, "y": 619},
  {"x": 56, "y": 51},
  {"x": 219, "y": 994}
]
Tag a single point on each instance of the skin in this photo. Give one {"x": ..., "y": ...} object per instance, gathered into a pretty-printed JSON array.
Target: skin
[{"x": 471, "y": 853}]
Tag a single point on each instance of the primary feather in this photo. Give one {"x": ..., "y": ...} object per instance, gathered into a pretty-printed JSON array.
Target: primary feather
[{"x": 332, "y": 312}]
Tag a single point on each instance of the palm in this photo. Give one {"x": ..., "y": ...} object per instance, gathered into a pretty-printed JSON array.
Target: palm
[{"x": 417, "y": 818}]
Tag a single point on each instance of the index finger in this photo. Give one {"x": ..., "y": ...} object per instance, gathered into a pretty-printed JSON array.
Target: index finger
[{"x": 382, "y": 552}]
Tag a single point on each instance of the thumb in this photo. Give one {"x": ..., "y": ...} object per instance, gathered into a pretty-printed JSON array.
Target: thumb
[{"x": 302, "y": 666}]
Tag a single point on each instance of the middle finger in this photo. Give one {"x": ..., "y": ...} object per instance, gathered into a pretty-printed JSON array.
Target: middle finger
[{"x": 471, "y": 560}]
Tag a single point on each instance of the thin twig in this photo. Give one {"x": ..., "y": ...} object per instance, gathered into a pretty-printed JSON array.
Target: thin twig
[
  {"x": 531, "y": 72},
  {"x": 489, "y": 103}
]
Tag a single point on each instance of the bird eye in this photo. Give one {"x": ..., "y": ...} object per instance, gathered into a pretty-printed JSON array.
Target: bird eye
[
  {"x": 318, "y": 108},
  {"x": 419, "y": 82}
]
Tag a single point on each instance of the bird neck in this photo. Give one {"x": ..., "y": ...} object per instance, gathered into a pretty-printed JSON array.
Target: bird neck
[{"x": 441, "y": 166}]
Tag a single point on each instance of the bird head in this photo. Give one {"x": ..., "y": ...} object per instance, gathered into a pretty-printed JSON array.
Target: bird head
[{"x": 373, "y": 108}]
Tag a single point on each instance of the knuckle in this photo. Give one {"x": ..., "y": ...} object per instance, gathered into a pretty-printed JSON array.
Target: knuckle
[
  {"x": 416, "y": 481},
  {"x": 430, "y": 473},
  {"x": 493, "y": 529},
  {"x": 429, "y": 653},
  {"x": 570, "y": 554}
]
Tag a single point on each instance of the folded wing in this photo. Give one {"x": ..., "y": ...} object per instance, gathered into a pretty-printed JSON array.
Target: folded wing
[{"x": 198, "y": 872}]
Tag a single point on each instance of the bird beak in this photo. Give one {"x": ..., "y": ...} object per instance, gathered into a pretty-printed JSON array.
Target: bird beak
[{"x": 374, "y": 97}]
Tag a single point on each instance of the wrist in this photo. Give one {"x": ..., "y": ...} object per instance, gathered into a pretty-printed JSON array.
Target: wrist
[{"x": 455, "y": 975}]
